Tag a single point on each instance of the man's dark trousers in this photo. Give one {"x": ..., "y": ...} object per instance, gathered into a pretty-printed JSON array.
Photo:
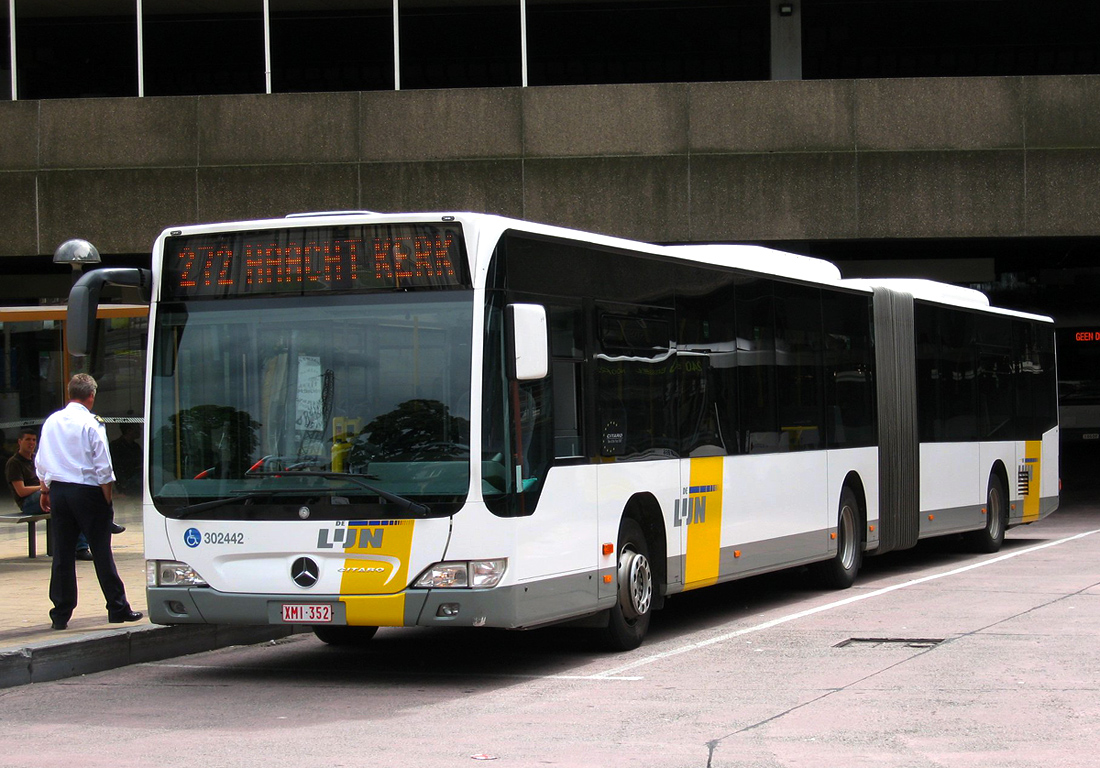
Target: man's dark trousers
[{"x": 77, "y": 509}]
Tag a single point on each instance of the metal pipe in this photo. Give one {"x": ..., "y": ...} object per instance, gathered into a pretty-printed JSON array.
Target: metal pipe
[
  {"x": 11, "y": 37},
  {"x": 396, "y": 46},
  {"x": 267, "y": 45},
  {"x": 523, "y": 41},
  {"x": 140, "y": 49}
]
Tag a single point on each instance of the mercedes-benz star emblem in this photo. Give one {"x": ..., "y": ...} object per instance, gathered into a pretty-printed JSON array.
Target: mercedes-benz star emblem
[{"x": 304, "y": 572}]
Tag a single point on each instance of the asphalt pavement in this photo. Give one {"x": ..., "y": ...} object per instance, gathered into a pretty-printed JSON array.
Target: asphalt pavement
[{"x": 31, "y": 652}]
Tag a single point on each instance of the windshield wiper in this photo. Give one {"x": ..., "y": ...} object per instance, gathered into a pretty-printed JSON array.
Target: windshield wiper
[
  {"x": 405, "y": 505},
  {"x": 203, "y": 506}
]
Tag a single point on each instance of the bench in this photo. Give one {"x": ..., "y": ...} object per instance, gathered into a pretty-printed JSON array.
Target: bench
[{"x": 32, "y": 538}]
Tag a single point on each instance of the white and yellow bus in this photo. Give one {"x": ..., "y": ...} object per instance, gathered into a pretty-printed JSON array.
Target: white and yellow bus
[{"x": 358, "y": 420}]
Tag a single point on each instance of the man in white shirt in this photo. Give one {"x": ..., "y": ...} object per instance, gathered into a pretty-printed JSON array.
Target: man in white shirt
[{"x": 74, "y": 466}]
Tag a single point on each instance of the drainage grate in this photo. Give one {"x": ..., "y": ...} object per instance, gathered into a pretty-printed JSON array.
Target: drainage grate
[{"x": 875, "y": 642}]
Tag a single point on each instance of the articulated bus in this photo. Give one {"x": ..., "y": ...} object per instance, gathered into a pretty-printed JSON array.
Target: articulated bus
[{"x": 357, "y": 420}]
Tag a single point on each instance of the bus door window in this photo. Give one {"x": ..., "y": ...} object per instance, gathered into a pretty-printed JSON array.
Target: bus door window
[
  {"x": 518, "y": 427},
  {"x": 637, "y": 386},
  {"x": 567, "y": 361},
  {"x": 706, "y": 348}
]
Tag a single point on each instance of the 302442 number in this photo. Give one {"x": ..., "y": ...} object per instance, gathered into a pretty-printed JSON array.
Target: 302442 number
[{"x": 219, "y": 537}]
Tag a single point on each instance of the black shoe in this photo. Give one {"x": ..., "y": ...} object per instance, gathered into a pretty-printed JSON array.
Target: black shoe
[
  {"x": 84, "y": 554},
  {"x": 128, "y": 616},
  {"x": 116, "y": 528},
  {"x": 57, "y": 624}
]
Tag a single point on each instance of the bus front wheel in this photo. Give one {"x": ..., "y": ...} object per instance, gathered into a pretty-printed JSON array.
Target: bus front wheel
[
  {"x": 629, "y": 617},
  {"x": 840, "y": 571},
  {"x": 344, "y": 635}
]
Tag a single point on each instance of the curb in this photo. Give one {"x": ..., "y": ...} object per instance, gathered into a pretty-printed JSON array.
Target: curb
[{"x": 110, "y": 649}]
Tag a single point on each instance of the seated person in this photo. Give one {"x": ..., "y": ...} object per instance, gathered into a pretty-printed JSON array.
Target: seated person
[
  {"x": 25, "y": 488},
  {"x": 20, "y": 474}
]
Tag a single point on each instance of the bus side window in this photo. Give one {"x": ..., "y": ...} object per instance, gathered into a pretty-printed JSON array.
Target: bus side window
[
  {"x": 567, "y": 358},
  {"x": 799, "y": 366},
  {"x": 756, "y": 363},
  {"x": 849, "y": 368},
  {"x": 995, "y": 379}
]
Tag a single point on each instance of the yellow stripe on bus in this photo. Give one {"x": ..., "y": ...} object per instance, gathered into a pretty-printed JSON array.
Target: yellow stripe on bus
[
  {"x": 1033, "y": 452},
  {"x": 376, "y": 572},
  {"x": 375, "y": 610},
  {"x": 702, "y": 514}
]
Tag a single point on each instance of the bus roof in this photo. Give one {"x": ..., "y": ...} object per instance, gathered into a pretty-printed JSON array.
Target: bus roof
[
  {"x": 941, "y": 293},
  {"x": 754, "y": 258},
  {"x": 760, "y": 259}
]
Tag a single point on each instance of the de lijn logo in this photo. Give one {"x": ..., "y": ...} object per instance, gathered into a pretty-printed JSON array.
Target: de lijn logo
[
  {"x": 192, "y": 537},
  {"x": 351, "y": 536},
  {"x": 692, "y": 508}
]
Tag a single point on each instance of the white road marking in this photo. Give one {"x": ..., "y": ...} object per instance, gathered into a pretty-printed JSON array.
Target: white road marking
[{"x": 616, "y": 672}]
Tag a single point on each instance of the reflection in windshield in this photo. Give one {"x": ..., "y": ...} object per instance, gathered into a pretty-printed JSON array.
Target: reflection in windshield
[
  {"x": 373, "y": 385},
  {"x": 207, "y": 435},
  {"x": 417, "y": 430}
]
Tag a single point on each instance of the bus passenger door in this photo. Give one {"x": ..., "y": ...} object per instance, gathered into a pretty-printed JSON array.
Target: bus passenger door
[{"x": 635, "y": 417}]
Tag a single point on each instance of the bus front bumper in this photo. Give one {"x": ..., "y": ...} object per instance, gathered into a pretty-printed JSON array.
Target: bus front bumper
[{"x": 511, "y": 607}]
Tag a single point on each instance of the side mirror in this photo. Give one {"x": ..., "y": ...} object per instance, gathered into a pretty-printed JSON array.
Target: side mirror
[
  {"x": 528, "y": 345},
  {"x": 84, "y": 301}
]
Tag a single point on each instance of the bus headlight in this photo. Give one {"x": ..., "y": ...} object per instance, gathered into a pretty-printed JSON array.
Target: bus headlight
[
  {"x": 464, "y": 574},
  {"x": 170, "y": 573}
]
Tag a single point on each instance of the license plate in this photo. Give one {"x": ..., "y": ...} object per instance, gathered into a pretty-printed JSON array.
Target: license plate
[
  {"x": 307, "y": 613},
  {"x": 1091, "y": 436}
]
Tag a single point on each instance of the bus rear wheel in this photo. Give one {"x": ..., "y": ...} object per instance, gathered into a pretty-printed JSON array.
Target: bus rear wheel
[
  {"x": 629, "y": 617},
  {"x": 992, "y": 536},
  {"x": 344, "y": 635},
  {"x": 840, "y": 572}
]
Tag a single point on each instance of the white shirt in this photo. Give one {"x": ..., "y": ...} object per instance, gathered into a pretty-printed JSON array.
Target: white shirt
[{"x": 73, "y": 448}]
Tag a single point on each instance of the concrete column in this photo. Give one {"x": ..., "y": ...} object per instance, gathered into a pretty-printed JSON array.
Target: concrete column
[{"x": 786, "y": 28}]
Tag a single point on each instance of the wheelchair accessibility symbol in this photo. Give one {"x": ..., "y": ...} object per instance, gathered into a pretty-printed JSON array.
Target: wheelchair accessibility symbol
[{"x": 192, "y": 537}]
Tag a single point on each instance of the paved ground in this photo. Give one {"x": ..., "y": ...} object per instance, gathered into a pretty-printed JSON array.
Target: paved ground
[
  {"x": 937, "y": 658},
  {"x": 30, "y": 651},
  {"x": 24, "y": 585}
]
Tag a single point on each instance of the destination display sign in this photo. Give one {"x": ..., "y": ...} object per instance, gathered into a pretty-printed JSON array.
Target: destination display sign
[{"x": 301, "y": 260}]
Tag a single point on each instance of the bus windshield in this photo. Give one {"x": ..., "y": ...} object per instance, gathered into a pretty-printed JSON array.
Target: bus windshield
[{"x": 336, "y": 405}]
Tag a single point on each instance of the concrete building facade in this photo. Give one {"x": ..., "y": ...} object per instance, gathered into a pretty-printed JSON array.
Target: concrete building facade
[{"x": 910, "y": 130}]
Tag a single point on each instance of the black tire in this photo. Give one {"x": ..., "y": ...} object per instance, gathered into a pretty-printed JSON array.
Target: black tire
[
  {"x": 345, "y": 635},
  {"x": 990, "y": 538},
  {"x": 628, "y": 621},
  {"x": 840, "y": 571}
]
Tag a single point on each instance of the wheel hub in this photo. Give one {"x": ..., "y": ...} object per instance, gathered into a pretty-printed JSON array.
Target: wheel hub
[{"x": 635, "y": 584}]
